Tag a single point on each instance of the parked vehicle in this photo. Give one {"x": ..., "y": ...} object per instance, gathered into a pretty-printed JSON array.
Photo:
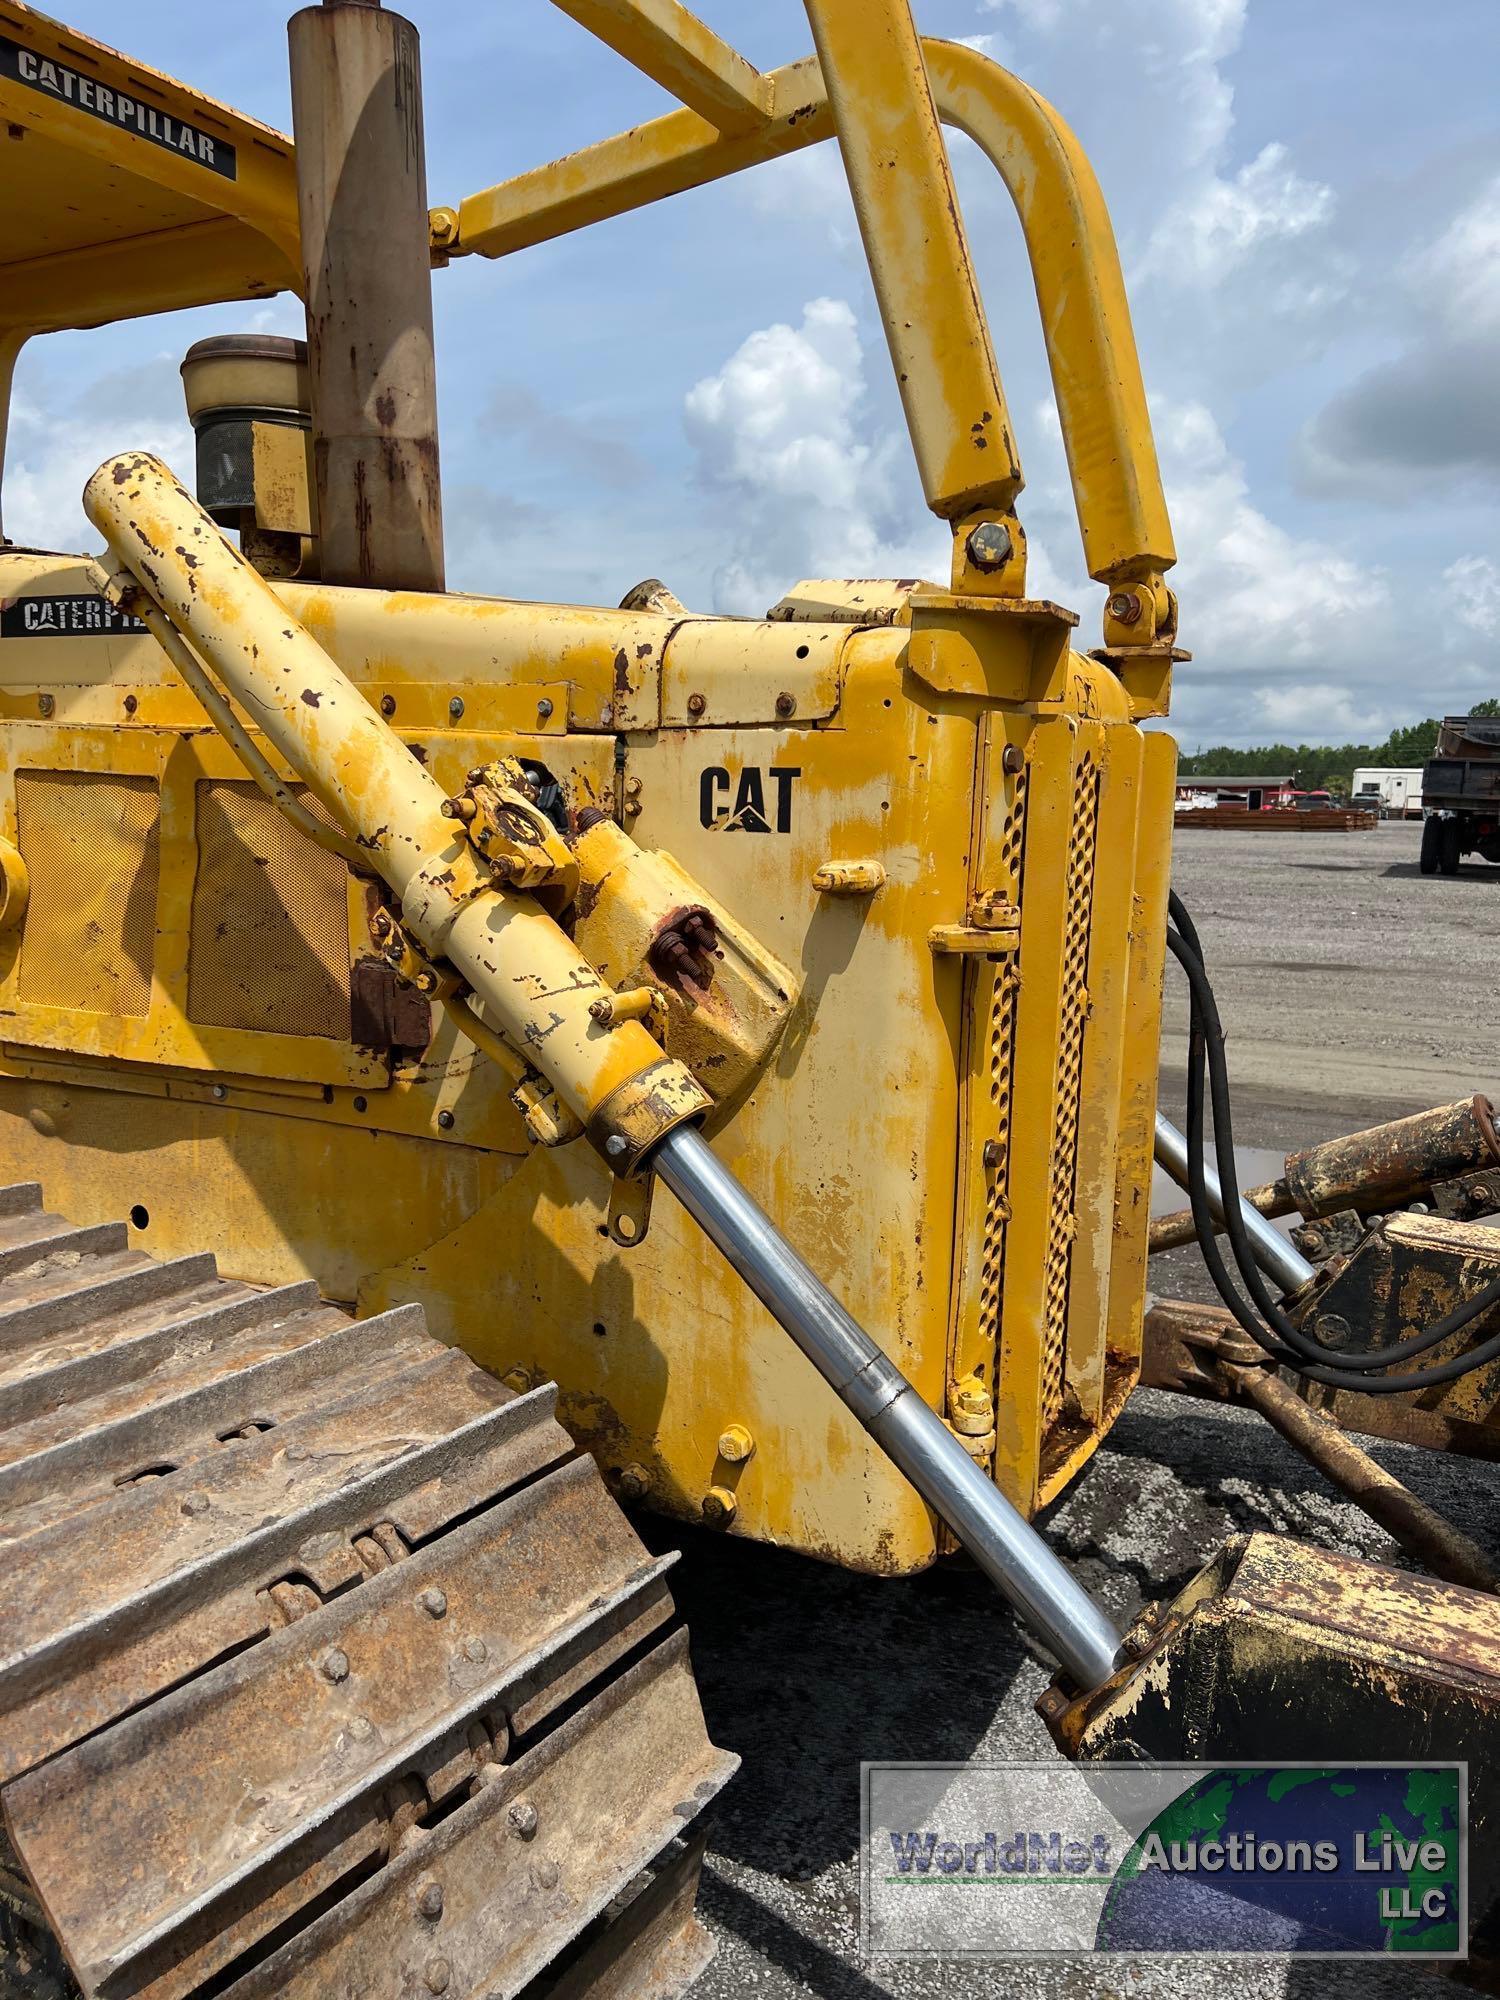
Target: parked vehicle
[
  {"x": 1394, "y": 794},
  {"x": 1461, "y": 794}
]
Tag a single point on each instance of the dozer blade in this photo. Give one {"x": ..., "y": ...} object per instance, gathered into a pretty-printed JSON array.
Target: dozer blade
[
  {"x": 327, "y": 1666},
  {"x": 1280, "y": 1651}
]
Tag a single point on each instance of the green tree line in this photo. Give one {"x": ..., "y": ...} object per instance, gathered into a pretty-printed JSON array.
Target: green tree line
[{"x": 1324, "y": 766}]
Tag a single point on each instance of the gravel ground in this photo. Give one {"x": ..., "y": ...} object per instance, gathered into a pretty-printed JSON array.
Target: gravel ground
[{"x": 1352, "y": 990}]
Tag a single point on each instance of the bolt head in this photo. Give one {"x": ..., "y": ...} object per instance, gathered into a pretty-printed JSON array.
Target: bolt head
[
  {"x": 430, "y": 1901},
  {"x": 436, "y": 1974},
  {"x": 434, "y": 1603},
  {"x": 989, "y": 545},
  {"x": 523, "y": 1818},
  {"x": 617, "y": 1145},
  {"x": 1125, "y": 607},
  {"x": 476, "y": 1650},
  {"x": 387, "y": 704},
  {"x": 195, "y": 1503},
  {"x": 786, "y": 704},
  {"x": 545, "y": 1873},
  {"x": 635, "y": 1482},
  {"x": 544, "y": 708},
  {"x": 696, "y": 703},
  {"x": 220, "y": 1091},
  {"x": 1013, "y": 759},
  {"x": 445, "y": 1121},
  {"x": 45, "y": 704},
  {"x": 719, "y": 1506},
  {"x": 456, "y": 707},
  {"x": 736, "y": 1444},
  {"x": 991, "y": 1155},
  {"x": 335, "y": 1664}
]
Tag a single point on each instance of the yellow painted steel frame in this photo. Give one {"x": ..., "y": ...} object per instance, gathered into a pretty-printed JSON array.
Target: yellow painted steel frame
[
  {"x": 956, "y": 1125},
  {"x": 882, "y": 93},
  {"x": 959, "y": 1140}
]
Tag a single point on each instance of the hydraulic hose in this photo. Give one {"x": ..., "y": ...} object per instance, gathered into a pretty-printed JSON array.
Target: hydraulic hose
[{"x": 1267, "y": 1324}]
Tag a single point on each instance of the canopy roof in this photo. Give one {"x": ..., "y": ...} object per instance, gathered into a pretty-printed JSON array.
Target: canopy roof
[{"x": 123, "y": 191}]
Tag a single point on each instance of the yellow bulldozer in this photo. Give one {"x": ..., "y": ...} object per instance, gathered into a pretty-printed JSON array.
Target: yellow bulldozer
[{"x": 450, "y": 1043}]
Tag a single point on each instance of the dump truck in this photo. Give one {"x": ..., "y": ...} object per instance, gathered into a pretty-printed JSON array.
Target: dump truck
[
  {"x": 1461, "y": 794},
  {"x": 471, "y": 1066}
]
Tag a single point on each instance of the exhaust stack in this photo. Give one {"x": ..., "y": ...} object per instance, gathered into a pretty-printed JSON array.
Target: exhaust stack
[{"x": 362, "y": 202}]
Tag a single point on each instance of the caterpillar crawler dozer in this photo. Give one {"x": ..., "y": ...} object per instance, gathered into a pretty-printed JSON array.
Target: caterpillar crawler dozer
[{"x": 437, "y": 1018}]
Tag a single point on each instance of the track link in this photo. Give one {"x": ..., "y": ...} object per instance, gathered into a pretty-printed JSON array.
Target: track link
[{"x": 329, "y": 1667}]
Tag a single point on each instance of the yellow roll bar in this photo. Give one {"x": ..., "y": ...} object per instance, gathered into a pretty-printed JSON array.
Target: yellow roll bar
[{"x": 1075, "y": 264}]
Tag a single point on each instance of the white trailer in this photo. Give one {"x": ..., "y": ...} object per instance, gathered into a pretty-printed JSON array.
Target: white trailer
[{"x": 1393, "y": 794}]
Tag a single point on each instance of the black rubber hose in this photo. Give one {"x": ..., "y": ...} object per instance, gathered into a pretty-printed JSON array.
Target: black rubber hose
[{"x": 1272, "y": 1330}]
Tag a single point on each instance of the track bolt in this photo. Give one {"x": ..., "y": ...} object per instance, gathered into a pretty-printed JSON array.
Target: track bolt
[
  {"x": 697, "y": 703},
  {"x": 635, "y": 1482},
  {"x": 335, "y": 1664},
  {"x": 433, "y": 1602},
  {"x": 719, "y": 1506},
  {"x": 387, "y": 704},
  {"x": 430, "y": 1901},
  {"x": 544, "y": 708},
  {"x": 989, "y": 545},
  {"x": 735, "y": 1444},
  {"x": 436, "y": 1974},
  {"x": 786, "y": 704},
  {"x": 476, "y": 1650},
  {"x": 195, "y": 1503},
  {"x": 545, "y": 1873},
  {"x": 523, "y": 1818}
]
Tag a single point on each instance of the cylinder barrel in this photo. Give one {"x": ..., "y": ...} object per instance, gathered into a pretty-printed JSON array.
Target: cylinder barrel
[
  {"x": 1396, "y": 1163},
  {"x": 362, "y": 203}
]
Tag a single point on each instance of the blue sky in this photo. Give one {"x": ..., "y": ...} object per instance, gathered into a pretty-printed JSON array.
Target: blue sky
[{"x": 1307, "y": 197}]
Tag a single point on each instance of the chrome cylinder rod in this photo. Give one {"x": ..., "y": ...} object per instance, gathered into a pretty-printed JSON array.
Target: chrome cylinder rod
[
  {"x": 1005, "y": 1545},
  {"x": 1280, "y": 1260}
]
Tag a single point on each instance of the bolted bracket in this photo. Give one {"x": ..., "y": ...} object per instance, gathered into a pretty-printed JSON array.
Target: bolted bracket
[{"x": 498, "y": 811}]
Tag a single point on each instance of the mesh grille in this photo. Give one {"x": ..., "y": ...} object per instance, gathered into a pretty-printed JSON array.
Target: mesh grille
[
  {"x": 1004, "y": 999},
  {"x": 270, "y": 925},
  {"x": 1075, "y": 1000},
  {"x": 997, "y": 1197},
  {"x": 90, "y": 845}
]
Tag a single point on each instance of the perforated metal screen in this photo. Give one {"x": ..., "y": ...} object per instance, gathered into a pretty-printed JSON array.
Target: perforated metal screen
[
  {"x": 270, "y": 928},
  {"x": 89, "y": 842}
]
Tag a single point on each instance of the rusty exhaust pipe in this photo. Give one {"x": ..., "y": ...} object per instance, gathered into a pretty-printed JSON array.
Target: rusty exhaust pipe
[{"x": 362, "y": 203}]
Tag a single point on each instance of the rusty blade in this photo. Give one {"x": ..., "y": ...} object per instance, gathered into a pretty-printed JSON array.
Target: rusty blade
[
  {"x": 220, "y": 1391},
  {"x": 118, "y": 1604},
  {"x": 241, "y": 1782},
  {"x": 522, "y": 1867}
]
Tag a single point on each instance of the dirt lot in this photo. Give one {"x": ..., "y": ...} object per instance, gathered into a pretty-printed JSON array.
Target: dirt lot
[{"x": 1353, "y": 990}]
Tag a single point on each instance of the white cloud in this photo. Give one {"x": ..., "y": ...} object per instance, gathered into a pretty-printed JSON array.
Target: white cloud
[
  {"x": 58, "y": 441},
  {"x": 1460, "y": 274},
  {"x": 1473, "y": 587},
  {"x": 1318, "y": 711},
  {"x": 777, "y": 433},
  {"x": 1202, "y": 239}
]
